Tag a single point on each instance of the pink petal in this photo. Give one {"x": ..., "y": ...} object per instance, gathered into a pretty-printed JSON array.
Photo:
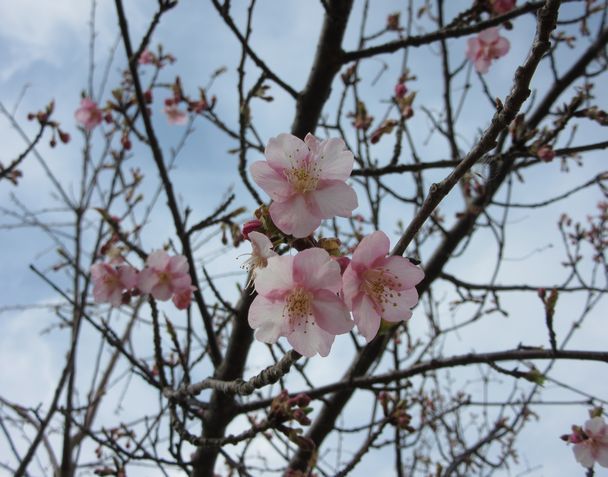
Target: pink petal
[
  {"x": 335, "y": 198},
  {"x": 261, "y": 245},
  {"x": 183, "y": 298},
  {"x": 351, "y": 283},
  {"x": 330, "y": 313},
  {"x": 602, "y": 456},
  {"x": 162, "y": 291},
  {"x": 402, "y": 270},
  {"x": 309, "y": 340},
  {"x": 266, "y": 318},
  {"x": 314, "y": 270},
  {"x": 335, "y": 160},
  {"x": 284, "y": 151},
  {"x": 146, "y": 280},
  {"x": 99, "y": 270},
  {"x": 399, "y": 307},
  {"x": 178, "y": 264},
  {"x": 295, "y": 216},
  {"x": 158, "y": 260},
  {"x": 366, "y": 318},
  {"x": 313, "y": 143},
  {"x": 276, "y": 278},
  {"x": 371, "y": 248},
  {"x": 489, "y": 35},
  {"x": 583, "y": 455},
  {"x": 595, "y": 427},
  {"x": 473, "y": 48},
  {"x": 482, "y": 65},
  {"x": 128, "y": 277},
  {"x": 501, "y": 47},
  {"x": 273, "y": 183},
  {"x": 115, "y": 298}
]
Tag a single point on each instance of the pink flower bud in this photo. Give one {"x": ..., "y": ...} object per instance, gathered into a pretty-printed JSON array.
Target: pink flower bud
[
  {"x": 545, "y": 153},
  {"x": 251, "y": 226},
  {"x": 400, "y": 90}
]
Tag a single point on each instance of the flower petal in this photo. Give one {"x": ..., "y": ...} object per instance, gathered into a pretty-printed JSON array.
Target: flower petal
[
  {"x": 146, "y": 280},
  {"x": 284, "y": 151},
  {"x": 273, "y": 183},
  {"x": 405, "y": 273},
  {"x": 489, "y": 35},
  {"x": 366, "y": 317},
  {"x": 331, "y": 313},
  {"x": 295, "y": 216},
  {"x": 335, "y": 198},
  {"x": 309, "y": 340},
  {"x": 266, "y": 318},
  {"x": 583, "y": 455},
  {"x": 314, "y": 270},
  {"x": 351, "y": 284},
  {"x": 276, "y": 278},
  {"x": 158, "y": 260},
  {"x": 501, "y": 47},
  {"x": 399, "y": 308},
  {"x": 162, "y": 291},
  {"x": 371, "y": 248},
  {"x": 336, "y": 162},
  {"x": 178, "y": 264}
]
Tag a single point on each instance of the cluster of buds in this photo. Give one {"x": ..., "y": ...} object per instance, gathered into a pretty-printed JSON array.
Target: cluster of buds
[
  {"x": 285, "y": 408},
  {"x": 44, "y": 119},
  {"x": 175, "y": 115},
  {"x": 362, "y": 120},
  {"x": 395, "y": 411},
  {"x": 385, "y": 128},
  {"x": 405, "y": 104},
  {"x": 159, "y": 59}
]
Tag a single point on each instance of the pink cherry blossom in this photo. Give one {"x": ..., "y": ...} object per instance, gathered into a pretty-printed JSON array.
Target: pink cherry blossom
[
  {"x": 545, "y": 153},
  {"x": 109, "y": 282},
  {"x": 502, "y": 6},
  {"x": 595, "y": 447},
  {"x": 306, "y": 181},
  {"x": 88, "y": 114},
  {"x": 298, "y": 298},
  {"x": 261, "y": 251},
  {"x": 165, "y": 276},
  {"x": 175, "y": 115},
  {"x": 377, "y": 286},
  {"x": 146, "y": 57},
  {"x": 487, "y": 46}
]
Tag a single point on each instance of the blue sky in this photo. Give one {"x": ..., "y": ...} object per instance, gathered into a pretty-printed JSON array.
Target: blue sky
[{"x": 47, "y": 51}]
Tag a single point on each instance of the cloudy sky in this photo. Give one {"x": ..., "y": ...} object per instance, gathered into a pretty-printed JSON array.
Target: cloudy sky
[{"x": 46, "y": 55}]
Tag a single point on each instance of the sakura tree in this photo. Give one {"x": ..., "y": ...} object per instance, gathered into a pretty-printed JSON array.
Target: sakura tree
[{"x": 311, "y": 239}]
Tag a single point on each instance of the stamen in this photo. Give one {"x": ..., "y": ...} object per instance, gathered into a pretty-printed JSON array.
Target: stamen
[
  {"x": 298, "y": 309},
  {"x": 382, "y": 285},
  {"x": 303, "y": 176}
]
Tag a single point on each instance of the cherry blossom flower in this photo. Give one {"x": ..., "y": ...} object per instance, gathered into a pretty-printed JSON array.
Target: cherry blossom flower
[
  {"x": 146, "y": 57},
  {"x": 591, "y": 443},
  {"x": 109, "y": 282},
  {"x": 487, "y": 46},
  {"x": 502, "y": 6},
  {"x": 298, "y": 298},
  {"x": 261, "y": 251},
  {"x": 306, "y": 181},
  {"x": 545, "y": 153},
  {"x": 165, "y": 276},
  {"x": 174, "y": 114},
  {"x": 88, "y": 114},
  {"x": 376, "y": 286}
]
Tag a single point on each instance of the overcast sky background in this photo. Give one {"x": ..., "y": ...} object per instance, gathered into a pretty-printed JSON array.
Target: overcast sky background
[{"x": 46, "y": 48}]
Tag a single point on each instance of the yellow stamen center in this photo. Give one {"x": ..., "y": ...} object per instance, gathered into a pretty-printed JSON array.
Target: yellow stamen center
[{"x": 304, "y": 177}]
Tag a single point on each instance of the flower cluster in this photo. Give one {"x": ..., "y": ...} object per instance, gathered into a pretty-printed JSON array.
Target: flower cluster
[
  {"x": 163, "y": 277},
  {"x": 487, "y": 46},
  {"x": 590, "y": 442},
  {"x": 308, "y": 298}
]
